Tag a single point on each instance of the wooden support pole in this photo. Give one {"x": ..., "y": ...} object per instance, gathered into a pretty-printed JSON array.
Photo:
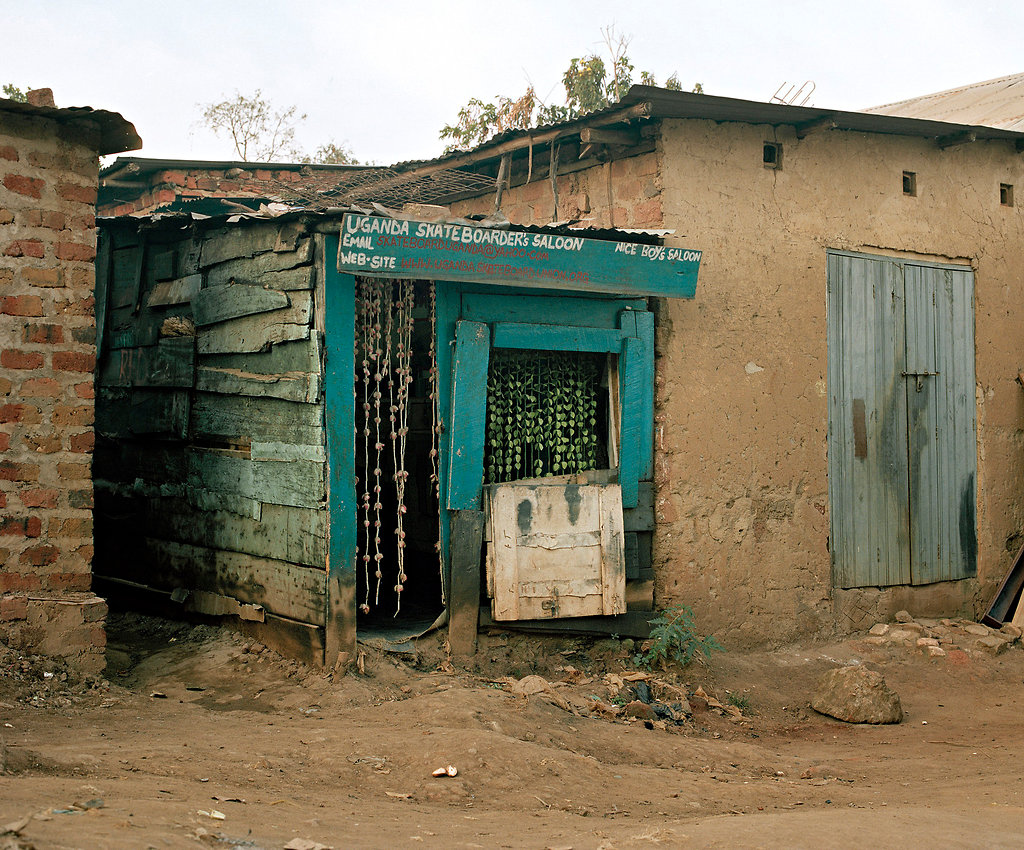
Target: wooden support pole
[{"x": 467, "y": 537}]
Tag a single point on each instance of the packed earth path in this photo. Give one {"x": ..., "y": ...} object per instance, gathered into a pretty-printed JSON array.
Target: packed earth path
[{"x": 198, "y": 737}]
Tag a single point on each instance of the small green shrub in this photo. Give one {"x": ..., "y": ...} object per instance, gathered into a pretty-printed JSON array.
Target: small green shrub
[
  {"x": 741, "y": 701},
  {"x": 674, "y": 638}
]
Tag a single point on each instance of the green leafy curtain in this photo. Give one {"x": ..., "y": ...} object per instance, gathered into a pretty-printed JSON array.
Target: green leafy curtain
[{"x": 542, "y": 414}]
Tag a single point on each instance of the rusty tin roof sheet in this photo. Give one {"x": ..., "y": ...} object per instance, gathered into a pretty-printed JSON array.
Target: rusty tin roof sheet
[{"x": 993, "y": 103}]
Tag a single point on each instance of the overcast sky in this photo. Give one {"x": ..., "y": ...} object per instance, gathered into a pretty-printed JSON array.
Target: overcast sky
[{"x": 384, "y": 77}]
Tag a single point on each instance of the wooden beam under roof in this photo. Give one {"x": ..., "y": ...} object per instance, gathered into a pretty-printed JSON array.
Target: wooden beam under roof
[
  {"x": 826, "y": 122},
  {"x": 530, "y": 139},
  {"x": 954, "y": 139},
  {"x": 601, "y": 136}
]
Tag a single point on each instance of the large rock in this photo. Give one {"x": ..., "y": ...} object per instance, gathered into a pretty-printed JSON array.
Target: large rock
[{"x": 856, "y": 695}]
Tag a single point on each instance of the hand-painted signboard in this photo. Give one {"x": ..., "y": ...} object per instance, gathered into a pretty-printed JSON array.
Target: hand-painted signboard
[{"x": 374, "y": 246}]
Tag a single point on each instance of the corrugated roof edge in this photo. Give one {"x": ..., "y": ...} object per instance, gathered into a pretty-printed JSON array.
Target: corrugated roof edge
[
  {"x": 651, "y": 102},
  {"x": 1009, "y": 78},
  {"x": 181, "y": 220},
  {"x": 117, "y": 134},
  {"x": 147, "y": 164}
]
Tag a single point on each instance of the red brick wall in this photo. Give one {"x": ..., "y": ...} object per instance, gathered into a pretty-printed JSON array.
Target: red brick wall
[
  {"x": 48, "y": 176},
  {"x": 170, "y": 185}
]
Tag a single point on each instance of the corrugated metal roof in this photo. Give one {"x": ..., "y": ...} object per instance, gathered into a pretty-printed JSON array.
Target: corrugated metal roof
[
  {"x": 993, "y": 103},
  {"x": 116, "y": 133},
  {"x": 146, "y": 165}
]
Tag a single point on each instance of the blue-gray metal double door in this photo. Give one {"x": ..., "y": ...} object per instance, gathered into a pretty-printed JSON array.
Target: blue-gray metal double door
[{"x": 902, "y": 429}]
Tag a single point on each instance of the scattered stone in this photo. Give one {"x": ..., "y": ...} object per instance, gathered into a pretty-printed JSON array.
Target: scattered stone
[
  {"x": 903, "y": 617},
  {"x": 902, "y": 635},
  {"x": 936, "y": 652},
  {"x": 529, "y": 685},
  {"x": 856, "y": 695},
  {"x": 879, "y": 629},
  {"x": 875, "y": 640},
  {"x": 924, "y": 642},
  {"x": 993, "y": 644},
  {"x": 916, "y": 628},
  {"x": 1011, "y": 631},
  {"x": 977, "y": 629},
  {"x": 947, "y": 623}
]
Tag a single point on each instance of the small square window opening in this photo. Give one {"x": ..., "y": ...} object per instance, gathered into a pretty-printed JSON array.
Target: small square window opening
[
  {"x": 1006, "y": 194},
  {"x": 909, "y": 182},
  {"x": 772, "y": 155}
]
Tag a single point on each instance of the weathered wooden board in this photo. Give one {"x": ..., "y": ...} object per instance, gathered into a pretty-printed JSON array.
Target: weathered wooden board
[
  {"x": 293, "y": 386},
  {"x": 299, "y": 482},
  {"x": 159, "y": 414},
  {"x": 239, "y": 419},
  {"x": 169, "y": 363},
  {"x": 128, "y": 330},
  {"x": 464, "y": 597},
  {"x": 253, "y": 333},
  {"x": 287, "y": 451},
  {"x": 103, "y": 273},
  {"x": 161, "y": 264},
  {"x": 285, "y": 589},
  {"x": 301, "y": 641},
  {"x": 556, "y": 550},
  {"x": 284, "y": 533},
  {"x": 301, "y": 355},
  {"x": 634, "y": 624},
  {"x": 127, "y": 461},
  {"x": 234, "y": 242},
  {"x": 123, "y": 283},
  {"x": 252, "y": 269},
  {"x": 171, "y": 292},
  {"x": 641, "y": 518},
  {"x": 232, "y": 300}
]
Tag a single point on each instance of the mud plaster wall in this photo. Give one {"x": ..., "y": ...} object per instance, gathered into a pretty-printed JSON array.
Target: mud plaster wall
[
  {"x": 741, "y": 455},
  {"x": 742, "y": 415},
  {"x": 48, "y": 175}
]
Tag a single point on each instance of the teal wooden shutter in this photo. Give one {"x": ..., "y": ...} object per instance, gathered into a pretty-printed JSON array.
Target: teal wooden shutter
[{"x": 469, "y": 409}]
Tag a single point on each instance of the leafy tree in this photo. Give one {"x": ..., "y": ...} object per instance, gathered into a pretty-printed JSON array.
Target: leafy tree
[
  {"x": 333, "y": 154},
  {"x": 12, "y": 92},
  {"x": 258, "y": 131},
  {"x": 590, "y": 84}
]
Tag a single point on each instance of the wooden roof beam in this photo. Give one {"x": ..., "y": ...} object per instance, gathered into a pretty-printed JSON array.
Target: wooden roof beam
[
  {"x": 954, "y": 139},
  {"x": 617, "y": 116},
  {"x": 601, "y": 136},
  {"x": 826, "y": 122}
]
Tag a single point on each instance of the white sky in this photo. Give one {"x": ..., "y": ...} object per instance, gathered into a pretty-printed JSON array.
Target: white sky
[{"x": 384, "y": 77}]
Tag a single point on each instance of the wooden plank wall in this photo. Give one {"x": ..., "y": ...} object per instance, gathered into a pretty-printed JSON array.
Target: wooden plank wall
[{"x": 210, "y": 458}]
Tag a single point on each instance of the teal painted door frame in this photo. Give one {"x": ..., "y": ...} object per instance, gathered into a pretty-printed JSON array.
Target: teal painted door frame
[{"x": 577, "y": 319}]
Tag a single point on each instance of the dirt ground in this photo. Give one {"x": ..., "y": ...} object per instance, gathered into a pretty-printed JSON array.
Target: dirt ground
[{"x": 199, "y": 737}]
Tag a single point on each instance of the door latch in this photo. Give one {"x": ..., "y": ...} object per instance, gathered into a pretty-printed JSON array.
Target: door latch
[{"x": 919, "y": 376}]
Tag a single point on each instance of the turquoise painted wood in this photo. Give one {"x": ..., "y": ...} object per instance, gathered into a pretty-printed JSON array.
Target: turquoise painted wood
[
  {"x": 556, "y": 338},
  {"x": 385, "y": 247},
  {"x": 631, "y": 370},
  {"x": 645, "y": 333},
  {"x": 563, "y": 309},
  {"x": 468, "y": 415},
  {"x": 340, "y": 415}
]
